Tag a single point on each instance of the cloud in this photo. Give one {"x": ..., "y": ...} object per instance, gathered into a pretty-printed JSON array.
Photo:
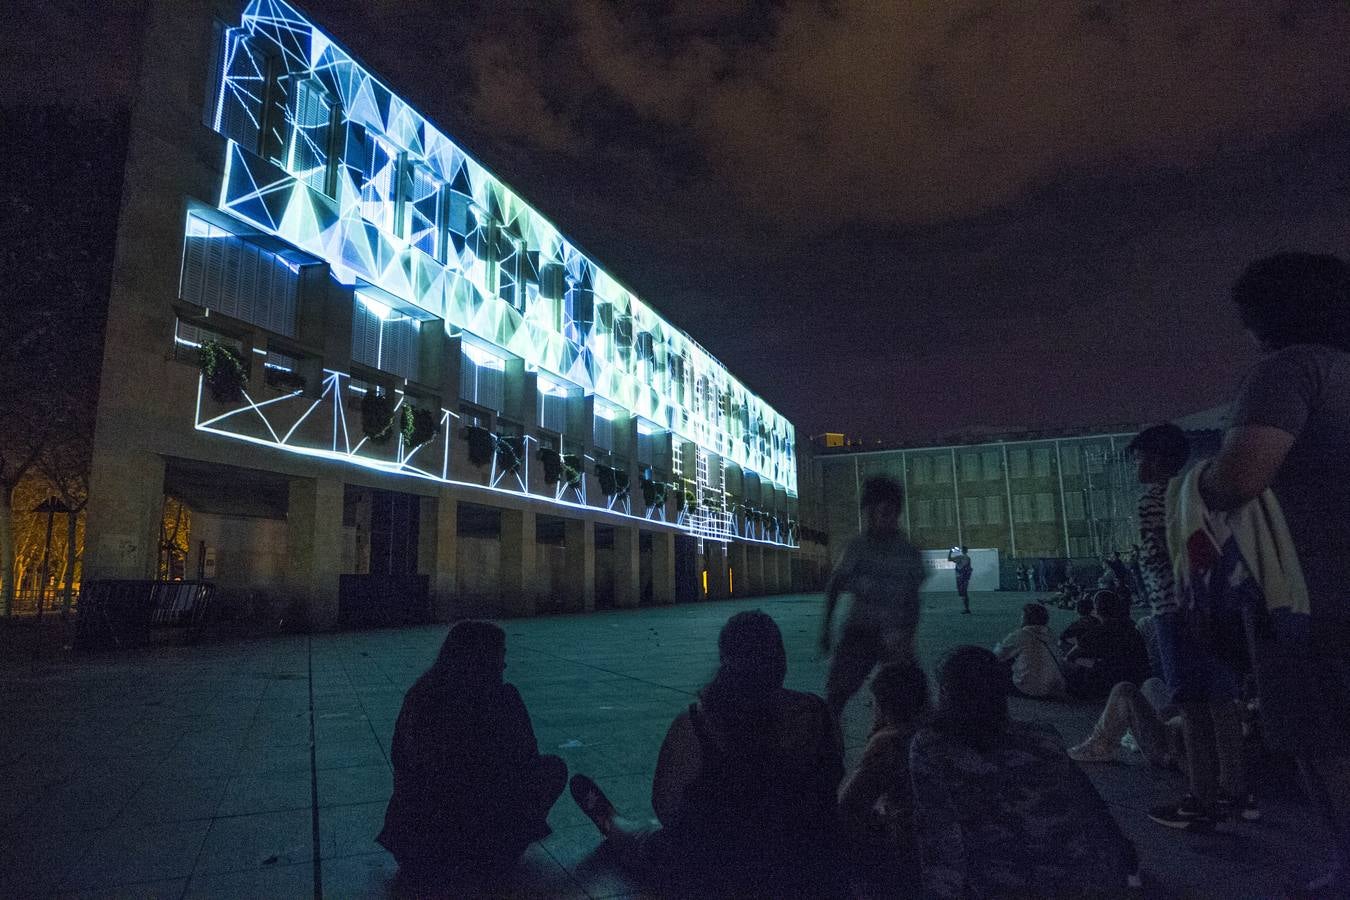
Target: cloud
[{"x": 852, "y": 111}]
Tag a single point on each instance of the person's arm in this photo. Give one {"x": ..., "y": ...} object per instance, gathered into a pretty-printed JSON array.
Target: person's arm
[
  {"x": 1247, "y": 463},
  {"x": 937, "y": 828},
  {"x": 949, "y": 556},
  {"x": 520, "y": 745},
  {"x": 677, "y": 766},
  {"x": 1009, "y": 647},
  {"x": 1271, "y": 409},
  {"x": 870, "y": 781}
]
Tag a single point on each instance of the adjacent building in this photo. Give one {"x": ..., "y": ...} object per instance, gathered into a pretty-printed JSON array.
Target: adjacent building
[
  {"x": 366, "y": 371},
  {"x": 1064, "y": 496}
]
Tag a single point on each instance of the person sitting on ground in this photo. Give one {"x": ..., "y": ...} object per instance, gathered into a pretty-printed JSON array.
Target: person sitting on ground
[
  {"x": 745, "y": 784},
  {"x": 1148, "y": 716},
  {"x": 999, "y": 808},
  {"x": 1031, "y": 652},
  {"x": 1069, "y": 636},
  {"x": 875, "y": 805},
  {"x": 470, "y": 788},
  {"x": 1106, "y": 655}
]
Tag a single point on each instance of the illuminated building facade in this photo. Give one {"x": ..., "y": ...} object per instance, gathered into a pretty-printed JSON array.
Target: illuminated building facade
[{"x": 365, "y": 364}]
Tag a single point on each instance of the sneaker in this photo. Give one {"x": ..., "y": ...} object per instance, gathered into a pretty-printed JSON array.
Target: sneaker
[
  {"x": 1186, "y": 815},
  {"x": 1245, "y": 811},
  {"x": 1091, "y": 751}
]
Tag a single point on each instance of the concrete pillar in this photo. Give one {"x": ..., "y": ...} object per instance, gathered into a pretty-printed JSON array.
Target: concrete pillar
[
  {"x": 314, "y": 547},
  {"x": 773, "y": 583},
  {"x": 739, "y": 568},
  {"x": 126, "y": 504},
  {"x": 519, "y": 588},
  {"x": 754, "y": 570},
  {"x": 579, "y": 568},
  {"x": 715, "y": 560},
  {"x": 663, "y": 567},
  {"x": 627, "y": 567},
  {"x": 444, "y": 586}
]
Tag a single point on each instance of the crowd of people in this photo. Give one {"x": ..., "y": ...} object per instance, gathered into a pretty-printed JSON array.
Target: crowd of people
[{"x": 1243, "y": 561}]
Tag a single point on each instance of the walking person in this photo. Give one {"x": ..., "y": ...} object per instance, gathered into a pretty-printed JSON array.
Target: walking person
[
  {"x": 883, "y": 571},
  {"x": 1290, "y": 433},
  {"x": 963, "y": 569}
]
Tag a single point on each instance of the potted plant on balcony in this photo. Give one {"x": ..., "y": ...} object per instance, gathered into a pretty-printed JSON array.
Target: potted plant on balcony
[
  {"x": 419, "y": 426},
  {"x": 223, "y": 371},
  {"x": 377, "y": 415},
  {"x": 481, "y": 444},
  {"x": 510, "y": 450},
  {"x": 620, "y": 483},
  {"x": 552, "y": 461},
  {"x": 571, "y": 470},
  {"x": 653, "y": 493},
  {"x": 608, "y": 479}
]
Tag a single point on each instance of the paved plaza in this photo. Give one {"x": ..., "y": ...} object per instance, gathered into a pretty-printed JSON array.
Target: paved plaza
[{"x": 188, "y": 772}]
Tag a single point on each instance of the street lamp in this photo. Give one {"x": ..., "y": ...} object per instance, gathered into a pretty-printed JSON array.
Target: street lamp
[{"x": 51, "y": 506}]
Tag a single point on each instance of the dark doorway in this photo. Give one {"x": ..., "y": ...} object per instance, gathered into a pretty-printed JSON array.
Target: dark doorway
[{"x": 687, "y": 586}]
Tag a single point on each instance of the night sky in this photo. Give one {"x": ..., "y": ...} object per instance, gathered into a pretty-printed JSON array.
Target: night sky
[{"x": 898, "y": 220}]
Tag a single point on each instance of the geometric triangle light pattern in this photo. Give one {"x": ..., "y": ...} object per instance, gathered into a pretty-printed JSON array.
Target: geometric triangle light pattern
[{"x": 326, "y": 157}]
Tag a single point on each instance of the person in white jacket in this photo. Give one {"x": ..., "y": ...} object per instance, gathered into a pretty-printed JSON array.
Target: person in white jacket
[{"x": 1031, "y": 650}]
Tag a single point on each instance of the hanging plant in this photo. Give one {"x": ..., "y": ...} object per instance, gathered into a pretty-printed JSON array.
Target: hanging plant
[
  {"x": 419, "y": 426},
  {"x": 510, "y": 452},
  {"x": 223, "y": 371},
  {"x": 621, "y": 483},
  {"x": 688, "y": 501},
  {"x": 552, "y": 461},
  {"x": 571, "y": 470},
  {"x": 608, "y": 480},
  {"x": 481, "y": 445},
  {"x": 377, "y": 415},
  {"x": 653, "y": 492}
]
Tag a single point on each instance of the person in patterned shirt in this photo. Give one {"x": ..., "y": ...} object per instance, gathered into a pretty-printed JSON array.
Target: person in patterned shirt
[{"x": 883, "y": 571}]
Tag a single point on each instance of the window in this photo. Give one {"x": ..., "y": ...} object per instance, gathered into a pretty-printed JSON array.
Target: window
[
  {"x": 1022, "y": 508},
  {"x": 970, "y": 511},
  {"x": 603, "y": 428},
  {"x": 1045, "y": 507},
  {"x": 970, "y": 467},
  {"x": 224, "y": 272},
  {"x": 311, "y": 134},
  {"x": 384, "y": 338},
  {"x": 946, "y": 512},
  {"x": 1073, "y": 506},
  {"x": 1101, "y": 506},
  {"x": 482, "y": 377},
  {"x": 1018, "y": 460},
  {"x": 1040, "y": 459},
  {"x": 1096, "y": 460},
  {"x": 992, "y": 463},
  {"x": 245, "y": 71},
  {"x": 422, "y": 223},
  {"x": 552, "y": 405},
  {"x": 510, "y": 254},
  {"x": 1069, "y": 460},
  {"x": 648, "y": 442},
  {"x": 922, "y": 468},
  {"x": 942, "y": 469},
  {"x": 993, "y": 510},
  {"x": 923, "y": 514},
  {"x": 378, "y": 170}
]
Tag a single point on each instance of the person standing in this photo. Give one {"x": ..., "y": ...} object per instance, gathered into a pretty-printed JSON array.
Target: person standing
[
  {"x": 1290, "y": 432},
  {"x": 883, "y": 571},
  {"x": 963, "y": 570}
]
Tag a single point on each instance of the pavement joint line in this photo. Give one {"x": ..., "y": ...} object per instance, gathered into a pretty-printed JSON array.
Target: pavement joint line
[
  {"x": 314, "y": 777},
  {"x": 624, "y": 675}
]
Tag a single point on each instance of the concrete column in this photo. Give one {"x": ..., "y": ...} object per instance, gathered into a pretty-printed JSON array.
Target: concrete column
[
  {"x": 126, "y": 504},
  {"x": 627, "y": 567},
  {"x": 773, "y": 573},
  {"x": 738, "y": 565},
  {"x": 754, "y": 570},
  {"x": 519, "y": 588},
  {"x": 579, "y": 568},
  {"x": 444, "y": 586},
  {"x": 715, "y": 559},
  {"x": 663, "y": 568},
  {"x": 314, "y": 547}
]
